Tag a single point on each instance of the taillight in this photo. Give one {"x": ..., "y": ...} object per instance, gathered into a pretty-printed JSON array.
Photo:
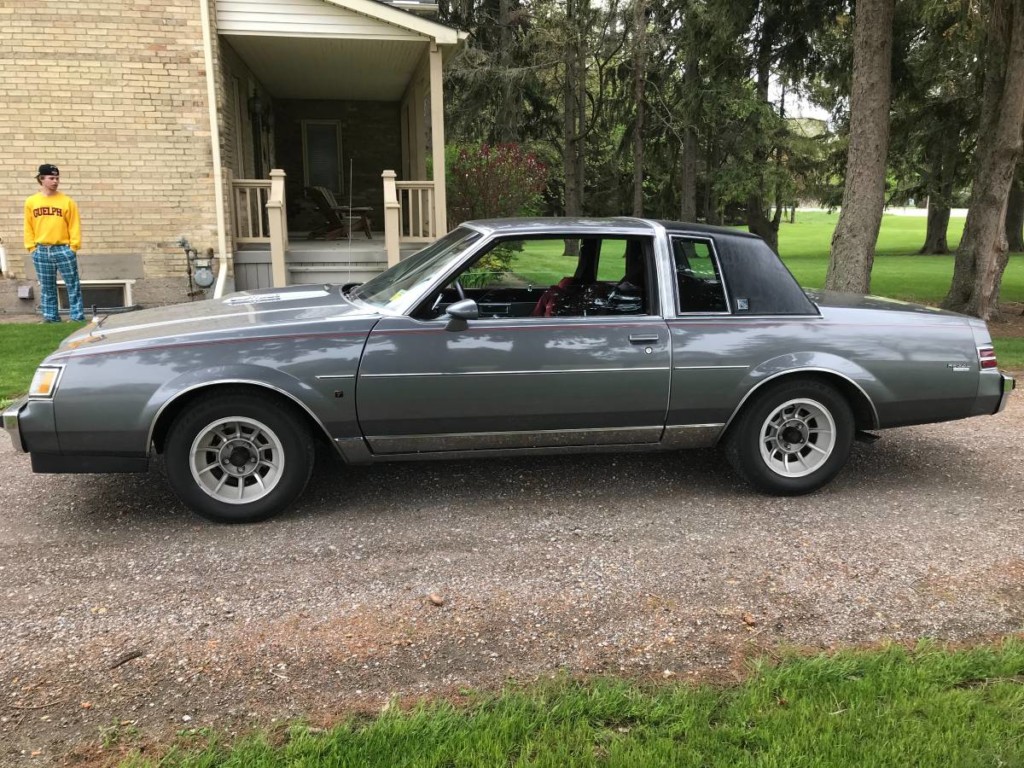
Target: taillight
[{"x": 987, "y": 357}]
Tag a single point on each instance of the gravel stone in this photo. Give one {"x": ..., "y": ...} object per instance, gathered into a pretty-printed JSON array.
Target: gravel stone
[{"x": 122, "y": 614}]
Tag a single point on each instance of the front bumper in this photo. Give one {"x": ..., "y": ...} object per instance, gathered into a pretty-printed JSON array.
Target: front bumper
[
  {"x": 1008, "y": 384},
  {"x": 11, "y": 414}
]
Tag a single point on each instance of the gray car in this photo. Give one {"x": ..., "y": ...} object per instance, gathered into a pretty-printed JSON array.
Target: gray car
[{"x": 506, "y": 337}]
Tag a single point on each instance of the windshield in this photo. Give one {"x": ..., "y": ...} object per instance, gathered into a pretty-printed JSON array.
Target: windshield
[{"x": 418, "y": 271}]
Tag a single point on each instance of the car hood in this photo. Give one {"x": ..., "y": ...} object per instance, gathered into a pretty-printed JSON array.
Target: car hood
[{"x": 238, "y": 314}]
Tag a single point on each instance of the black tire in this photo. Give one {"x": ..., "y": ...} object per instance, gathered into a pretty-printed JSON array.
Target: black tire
[
  {"x": 792, "y": 438},
  {"x": 253, "y": 456}
]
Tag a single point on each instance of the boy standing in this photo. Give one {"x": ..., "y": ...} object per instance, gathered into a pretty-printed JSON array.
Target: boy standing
[{"x": 53, "y": 234}]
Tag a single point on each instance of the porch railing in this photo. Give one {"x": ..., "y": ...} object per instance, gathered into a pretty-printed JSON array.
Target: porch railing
[
  {"x": 249, "y": 201},
  {"x": 417, "y": 220},
  {"x": 259, "y": 216},
  {"x": 408, "y": 213}
]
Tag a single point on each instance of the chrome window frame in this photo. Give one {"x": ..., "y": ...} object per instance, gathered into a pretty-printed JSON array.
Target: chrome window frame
[{"x": 713, "y": 251}]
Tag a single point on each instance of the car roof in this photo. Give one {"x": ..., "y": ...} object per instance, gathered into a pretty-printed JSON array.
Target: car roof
[{"x": 611, "y": 224}]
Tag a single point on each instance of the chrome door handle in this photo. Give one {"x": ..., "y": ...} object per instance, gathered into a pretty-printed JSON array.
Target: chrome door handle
[{"x": 643, "y": 338}]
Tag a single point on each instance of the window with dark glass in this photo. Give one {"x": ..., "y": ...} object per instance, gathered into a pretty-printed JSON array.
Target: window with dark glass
[{"x": 698, "y": 279}]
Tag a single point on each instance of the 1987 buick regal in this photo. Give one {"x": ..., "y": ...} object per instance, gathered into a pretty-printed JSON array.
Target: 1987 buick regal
[{"x": 506, "y": 337}]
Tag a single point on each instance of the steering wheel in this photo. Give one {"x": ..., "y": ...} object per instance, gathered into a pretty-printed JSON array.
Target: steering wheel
[{"x": 458, "y": 287}]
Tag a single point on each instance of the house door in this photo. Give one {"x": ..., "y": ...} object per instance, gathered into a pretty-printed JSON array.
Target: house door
[{"x": 321, "y": 150}]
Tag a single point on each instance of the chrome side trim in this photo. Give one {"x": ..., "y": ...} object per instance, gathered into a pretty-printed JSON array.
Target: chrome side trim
[
  {"x": 326, "y": 376},
  {"x": 208, "y": 384},
  {"x": 11, "y": 423},
  {"x": 507, "y": 373},
  {"x": 797, "y": 371},
  {"x": 554, "y": 438},
  {"x": 710, "y": 367}
]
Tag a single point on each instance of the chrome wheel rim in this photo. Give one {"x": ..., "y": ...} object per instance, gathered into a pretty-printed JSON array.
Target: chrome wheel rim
[
  {"x": 237, "y": 460},
  {"x": 797, "y": 438}
]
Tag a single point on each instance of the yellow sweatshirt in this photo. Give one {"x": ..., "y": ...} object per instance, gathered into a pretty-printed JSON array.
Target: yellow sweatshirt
[{"x": 52, "y": 220}]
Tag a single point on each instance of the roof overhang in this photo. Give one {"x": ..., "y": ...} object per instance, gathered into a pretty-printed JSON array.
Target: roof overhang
[{"x": 356, "y": 50}]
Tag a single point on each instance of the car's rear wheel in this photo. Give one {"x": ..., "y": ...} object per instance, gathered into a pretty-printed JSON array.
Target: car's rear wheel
[
  {"x": 239, "y": 458},
  {"x": 793, "y": 438}
]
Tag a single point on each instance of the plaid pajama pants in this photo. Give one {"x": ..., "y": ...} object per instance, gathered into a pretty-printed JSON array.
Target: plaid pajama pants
[{"x": 49, "y": 260}]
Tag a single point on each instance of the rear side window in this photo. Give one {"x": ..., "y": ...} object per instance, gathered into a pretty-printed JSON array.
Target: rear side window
[{"x": 698, "y": 279}]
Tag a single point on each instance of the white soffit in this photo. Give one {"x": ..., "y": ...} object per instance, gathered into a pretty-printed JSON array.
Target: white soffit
[
  {"x": 356, "y": 70},
  {"x": 361, "y": 50}
]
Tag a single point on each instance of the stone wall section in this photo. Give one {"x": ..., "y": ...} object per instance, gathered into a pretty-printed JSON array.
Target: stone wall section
[{"x": 114, "y": 93}]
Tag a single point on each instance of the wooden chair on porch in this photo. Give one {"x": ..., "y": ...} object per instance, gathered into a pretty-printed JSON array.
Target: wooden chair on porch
[{"x": 337, "y": 217}]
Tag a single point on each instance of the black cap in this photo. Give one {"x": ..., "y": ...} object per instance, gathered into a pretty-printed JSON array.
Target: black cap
[{"x": 48, "y": 170}]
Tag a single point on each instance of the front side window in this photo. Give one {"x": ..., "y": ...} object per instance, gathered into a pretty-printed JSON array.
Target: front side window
[
  {"x": 554, "y": 277},
  {"x": 698, "y": 279}
]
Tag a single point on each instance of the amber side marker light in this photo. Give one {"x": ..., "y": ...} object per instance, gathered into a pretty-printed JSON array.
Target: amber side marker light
[
  {"x": 45, "y": 382},
  {"x": 987, "y": 357}
]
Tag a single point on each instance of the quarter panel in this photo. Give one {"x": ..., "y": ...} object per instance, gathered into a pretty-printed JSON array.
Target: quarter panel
[{"x": 902, "y": 363}]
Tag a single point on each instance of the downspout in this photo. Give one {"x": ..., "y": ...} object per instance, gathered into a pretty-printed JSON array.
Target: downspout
[{"x": 218, "y": 177}]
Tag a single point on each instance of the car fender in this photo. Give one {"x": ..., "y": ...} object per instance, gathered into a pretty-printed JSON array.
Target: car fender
[
  {"x": 856, "y": 380},
  {"x": 315, "y": 403}
]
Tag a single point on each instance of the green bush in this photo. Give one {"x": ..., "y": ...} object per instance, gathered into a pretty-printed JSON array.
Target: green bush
[{"x": 490, "y": 181}]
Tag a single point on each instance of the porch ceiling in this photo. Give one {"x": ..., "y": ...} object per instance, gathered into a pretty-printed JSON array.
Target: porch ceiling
[{"x": 325, "y": 68}]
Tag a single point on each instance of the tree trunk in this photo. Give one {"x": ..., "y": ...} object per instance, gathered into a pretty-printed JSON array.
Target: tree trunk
[
  {"x": 1015, "y": 216},
  {"x": 853, "y": 242},
  {"x": 757, "y": 205},
  {"x": 938, "y": 225},
  {"x": 765, "y": 228},
  {"x": 639, "y": 80},
  {"x": 688, "y": 182},
  {"x": 574, "y": 111},
  {"x": 510, "y": 110},
  {"x": 982, "y": 255}
]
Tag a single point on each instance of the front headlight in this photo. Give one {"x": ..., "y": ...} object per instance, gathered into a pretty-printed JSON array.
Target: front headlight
[{"x": 45, "y": 382}]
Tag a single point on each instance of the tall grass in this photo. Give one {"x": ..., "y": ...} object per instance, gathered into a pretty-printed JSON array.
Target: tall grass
[{"x": 894, "y": 707}]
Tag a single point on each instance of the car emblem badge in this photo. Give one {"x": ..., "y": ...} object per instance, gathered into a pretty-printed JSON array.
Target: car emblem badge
[{"x": 958, "y": 367}]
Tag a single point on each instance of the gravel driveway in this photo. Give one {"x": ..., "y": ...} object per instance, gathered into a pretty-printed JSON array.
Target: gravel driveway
[{"x": 124, "y": 614}]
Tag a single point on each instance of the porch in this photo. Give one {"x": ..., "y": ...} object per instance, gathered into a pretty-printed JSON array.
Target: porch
[
  {"x": 268, "y": 255},
  {"x": 341, "y": 98}
]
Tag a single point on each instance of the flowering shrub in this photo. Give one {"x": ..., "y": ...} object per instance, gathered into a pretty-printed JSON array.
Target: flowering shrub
[{"x": 487, "y": 181}]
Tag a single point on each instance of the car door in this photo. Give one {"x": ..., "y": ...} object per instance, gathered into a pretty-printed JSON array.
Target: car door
[{"x": 590, "y": 373}]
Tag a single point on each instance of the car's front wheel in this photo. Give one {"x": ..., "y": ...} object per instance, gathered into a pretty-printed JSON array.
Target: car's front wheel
[
  {"x": 239, "y": 458},
  {"x": 793, "y": 438}
]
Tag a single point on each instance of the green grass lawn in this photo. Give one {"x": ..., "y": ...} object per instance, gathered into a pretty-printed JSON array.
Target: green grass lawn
[
  {"x": 891, "y": 707},
  {"x": 24, "y": 345},
  {"x": 898, "y": 271}
]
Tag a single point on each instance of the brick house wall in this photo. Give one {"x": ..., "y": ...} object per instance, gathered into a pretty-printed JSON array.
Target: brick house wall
[{"x": 114, "y": 93}]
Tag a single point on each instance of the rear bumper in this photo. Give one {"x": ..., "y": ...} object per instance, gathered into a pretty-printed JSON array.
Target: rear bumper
[{"x": 1008, "y": 385}]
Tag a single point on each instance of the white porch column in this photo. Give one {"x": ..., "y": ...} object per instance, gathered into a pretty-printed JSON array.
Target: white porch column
[
  {"x": 437, "y": 141},
  {"x": 392, "y": 218},
  {"x": 276, "y": 219}
]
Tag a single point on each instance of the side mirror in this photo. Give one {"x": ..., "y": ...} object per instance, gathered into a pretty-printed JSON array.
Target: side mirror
[
  {"x": 464, "y": 310},
  {"x": 461, "y": 311}
]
